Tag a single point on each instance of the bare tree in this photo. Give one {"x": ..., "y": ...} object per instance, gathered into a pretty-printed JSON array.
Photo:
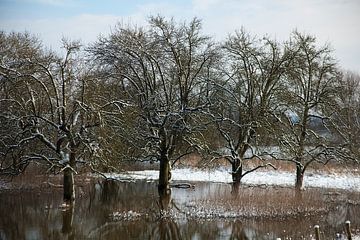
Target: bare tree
[
  {"x": 344, "y": 116},
  {"x": 252, "y": 72},
  {"x": 12, "y": 47},
  {"x": 162, "y": 71},
  {"x": 310, "y": 88},
  {"x": 45, "y": 107}
]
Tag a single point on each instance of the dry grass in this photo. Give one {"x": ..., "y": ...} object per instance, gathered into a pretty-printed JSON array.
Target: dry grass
[
  {"x": 194, "y": 160},
  {"x": 260, "y": 202},
  {"x": 40, "y": 182}
]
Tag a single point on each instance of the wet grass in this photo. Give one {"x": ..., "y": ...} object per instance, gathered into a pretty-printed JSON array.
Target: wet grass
[
  {"x": 253, "y": 202},
  {"x": 221, "y": 201},
  {"x": 265, "y": 211}
]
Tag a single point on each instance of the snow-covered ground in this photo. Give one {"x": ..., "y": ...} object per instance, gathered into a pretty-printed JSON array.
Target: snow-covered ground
[{"x": 335, "y": 181}]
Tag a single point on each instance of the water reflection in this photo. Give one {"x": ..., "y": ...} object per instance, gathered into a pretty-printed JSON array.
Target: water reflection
[
  {"x": 166, "y": 228},
  {"x": 238, "y": 232},
  {"x": 113, "y": 210},
  {"x": 68, "y": 218}
]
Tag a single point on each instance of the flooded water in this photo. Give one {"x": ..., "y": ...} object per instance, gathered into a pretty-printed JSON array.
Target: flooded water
[{"x": 115, "y": 210}]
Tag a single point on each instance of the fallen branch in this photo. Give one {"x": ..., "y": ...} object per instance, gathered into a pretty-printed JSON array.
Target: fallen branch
[
  {"x": 182, "y": 185},
  {"x": 54, "y": 185}
]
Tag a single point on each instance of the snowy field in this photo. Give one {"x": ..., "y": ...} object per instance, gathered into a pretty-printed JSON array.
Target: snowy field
[{"x": 334, "y": 181}]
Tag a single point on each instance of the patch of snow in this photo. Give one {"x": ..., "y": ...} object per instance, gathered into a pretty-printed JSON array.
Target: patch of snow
[
  {"x": 275, "y": 178},
  {"x": 121, "y": 216},
  {"x": 64, "y": 158}
]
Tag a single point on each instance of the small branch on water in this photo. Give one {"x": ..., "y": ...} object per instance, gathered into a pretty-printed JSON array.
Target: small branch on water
[
  {"x": 182, "y": 185},
  {"x": 54, "y": 185}
]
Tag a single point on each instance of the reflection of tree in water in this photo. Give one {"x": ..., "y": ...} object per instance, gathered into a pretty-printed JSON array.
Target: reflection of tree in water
[
  {"x": 170, "y": 226},
  {"x": 166, "y": 227},
  {"x": 344, "y": 209},
  {"x": 68, "y": 218},
  {"x": 111, "y": 195},
  {"x": 28, "y": 215},
  {"x": 110, "y": 191},
  {"x": 244, "y": 231},
  {"x": 237, "y": 231}
]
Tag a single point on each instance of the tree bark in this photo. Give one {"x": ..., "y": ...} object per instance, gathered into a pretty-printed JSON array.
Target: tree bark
[
  {"x": 69, "y": 188},
  {"x": 164, "y": 176},
  {"x": 235, "y": 186},
  {"x": 164, "y": 200},
  {"x": 236, "y": 171},
  {"x": 69, "y": 185},
  {"x": 164, "y": 172},
  {"x": 299, "y": 177}
]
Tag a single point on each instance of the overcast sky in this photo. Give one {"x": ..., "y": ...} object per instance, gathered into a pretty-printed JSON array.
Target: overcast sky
[{"x": 332, "y": 21}]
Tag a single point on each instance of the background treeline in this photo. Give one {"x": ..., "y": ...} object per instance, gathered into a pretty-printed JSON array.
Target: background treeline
[{"x": 168, "y": 90}]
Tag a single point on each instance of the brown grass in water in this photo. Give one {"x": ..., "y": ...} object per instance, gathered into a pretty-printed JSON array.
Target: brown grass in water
[{"x": 269, "y": 202}]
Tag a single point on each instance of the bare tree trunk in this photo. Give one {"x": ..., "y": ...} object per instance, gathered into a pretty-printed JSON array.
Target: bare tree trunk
[
  {"x": 164, "y": 200},
  {"x": 164, "y": 172},
  {"x": 164, "y": 176},
  {"x": 236, "y": 176},
  {"x": 236, "y": 171},
  {"x": 69, "y": 189},
  {"x": 299, "y": 177},
  {"x": 235, "y": 186},
  {"x": 69, "y": 186}
]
